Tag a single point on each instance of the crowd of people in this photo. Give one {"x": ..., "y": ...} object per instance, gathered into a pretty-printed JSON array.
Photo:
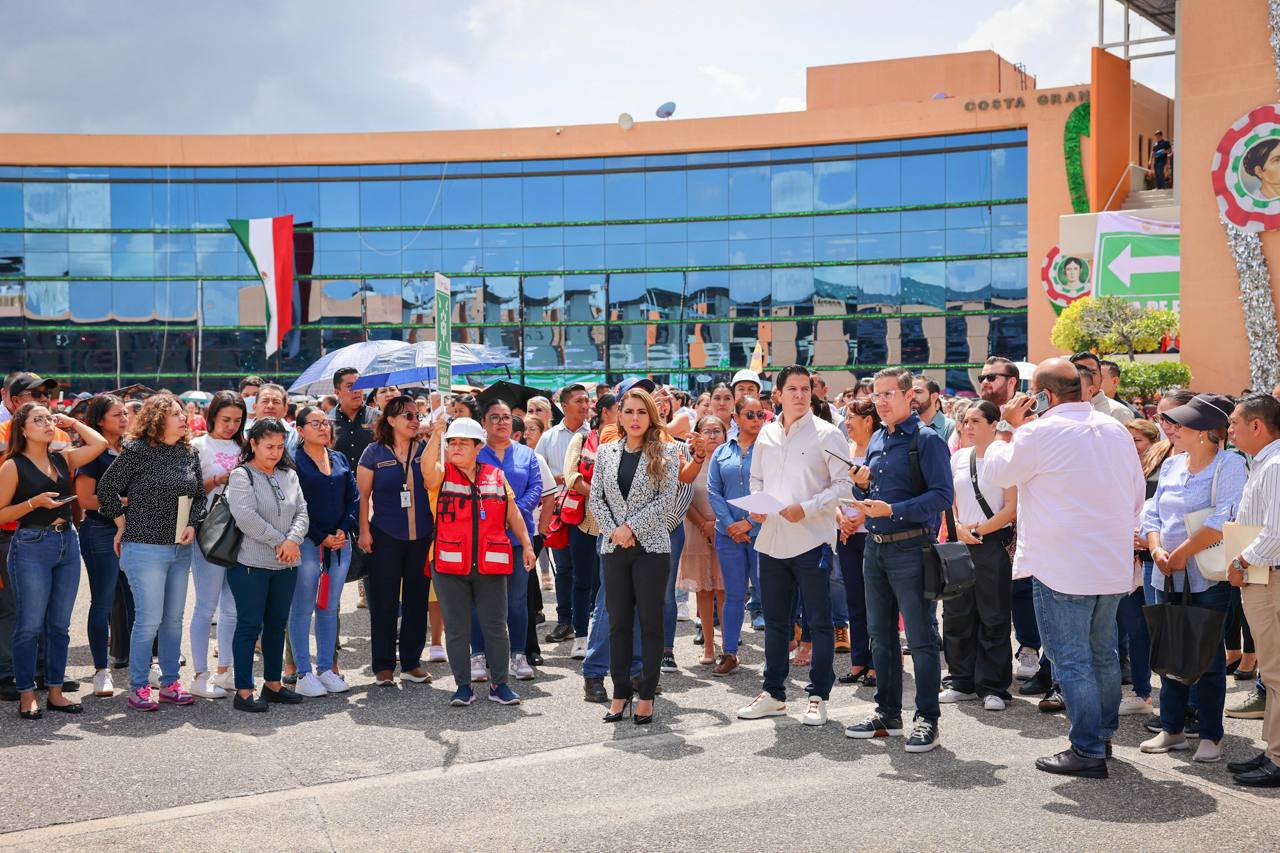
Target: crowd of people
[{"x": 810, "y": 517}]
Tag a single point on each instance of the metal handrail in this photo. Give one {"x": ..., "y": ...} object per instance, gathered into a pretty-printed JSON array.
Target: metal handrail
[{"x": 1123, "y": 176}]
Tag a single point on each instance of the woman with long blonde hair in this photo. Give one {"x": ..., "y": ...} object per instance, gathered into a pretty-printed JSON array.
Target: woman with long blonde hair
[{"x": 633, "y": 493}]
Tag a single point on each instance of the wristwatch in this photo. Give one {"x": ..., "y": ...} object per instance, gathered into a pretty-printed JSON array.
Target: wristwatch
[{"x": 1239, "y": 564}]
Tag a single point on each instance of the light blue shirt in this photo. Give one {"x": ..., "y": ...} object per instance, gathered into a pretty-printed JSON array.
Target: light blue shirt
[
  {"x": 1180, "y": 492},
  {"x": 729, "y": 477}
]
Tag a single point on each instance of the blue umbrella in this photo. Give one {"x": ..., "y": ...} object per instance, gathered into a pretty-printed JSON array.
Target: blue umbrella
[
  {"x": 318, "y": 378},
  {"x": 416, "y": 364}
]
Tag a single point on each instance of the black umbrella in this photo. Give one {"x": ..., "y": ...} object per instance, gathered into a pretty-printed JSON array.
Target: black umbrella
[{"x": 517, "y": 397}]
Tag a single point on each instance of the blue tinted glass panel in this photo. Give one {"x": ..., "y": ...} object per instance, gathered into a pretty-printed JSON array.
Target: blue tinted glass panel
[
  {"x": 792, "y": 286},
  {"x": 379, "y": 203},
  {"x": 339, "y": 204},
  {"x": 792, "y": 187},
  {"x": 462, "y": 202},
  {"x": 749, "y": 190},
  {"x": 583, "y": 198},
  {"x": 254, "y": 201},
  {"x": 502, "y": 198},
  {"x": 968, "y": 281},
  {"x": 131, "y": 205},
  {"x": 879, "y": 182},
  {"x": 10, "y": 205},
  {"x": 1008, "y": 172},
  {"x": 1009, "y": 279},
  {"x": 420, "y": 205},
  {"x": 835, "y": 185},
  {"x": 624, "y": 196},
  {"x": 968, "y": 175},
  {"x": 215, "y": 204},
  {"x": 924, "y": 179},
  {"x": 665, "y": 194},
  {"x": 925, "y": 285},
  {"x": 879, "y": 284},
  {"x": 543, "y": 199},
  {"x": 708, "y": 192}
]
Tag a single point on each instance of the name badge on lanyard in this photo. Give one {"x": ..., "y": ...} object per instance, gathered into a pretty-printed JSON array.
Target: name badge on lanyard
[{"x": 406, "y": 498}]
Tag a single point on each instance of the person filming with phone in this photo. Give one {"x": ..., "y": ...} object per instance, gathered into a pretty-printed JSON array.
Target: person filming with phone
[{"x": 1080, "y": 494}]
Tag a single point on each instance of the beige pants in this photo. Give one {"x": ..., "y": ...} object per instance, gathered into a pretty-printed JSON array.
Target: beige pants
[{"x": 1262, "y": 609}]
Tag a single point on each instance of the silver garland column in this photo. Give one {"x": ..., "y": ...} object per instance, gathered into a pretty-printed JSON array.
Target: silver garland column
[{"x": 1255, "y": 298}]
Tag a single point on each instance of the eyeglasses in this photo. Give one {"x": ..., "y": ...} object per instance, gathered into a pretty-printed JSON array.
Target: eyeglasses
[
  {"x": 43, "y": 420},
  {"x": 876, "y": 397},
  {"x": 322, "y": 423},
  {"x": 753, "y": 416},
  {"x": 36, "y": 394},
  {"x": 499, "y": 419},
  {"x": 993, "y": 377},
  {"x": 1169, "y": 423},
  {"x": 275, "y": 488}
]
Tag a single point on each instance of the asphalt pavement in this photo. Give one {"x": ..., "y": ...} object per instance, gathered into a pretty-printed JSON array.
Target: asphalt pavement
[{"x": 399, "y": 769}]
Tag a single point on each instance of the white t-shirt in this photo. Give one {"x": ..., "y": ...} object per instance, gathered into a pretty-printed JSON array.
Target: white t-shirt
[
  {"x": 549, "y": 486},
  {"x": 969, "y": 510},
  {"x": 217, "y": 456}
]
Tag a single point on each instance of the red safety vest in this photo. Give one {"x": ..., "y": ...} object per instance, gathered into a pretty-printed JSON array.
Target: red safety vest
[
  {"x": 471, "y": 523},
  {"x": 587, "y": 461}
]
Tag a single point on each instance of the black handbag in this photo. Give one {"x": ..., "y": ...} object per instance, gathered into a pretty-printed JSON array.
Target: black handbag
[
  {"x": 1184, "y": 638},
  {"x": 359, "y": 568},
  {"x": 219, "y": 538},
  {"x": 948, "y": 566},
  {"x": 1011, "y": 544}
]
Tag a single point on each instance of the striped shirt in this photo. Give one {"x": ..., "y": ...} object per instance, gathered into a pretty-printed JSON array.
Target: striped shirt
[{"x": 1260, "y": 506}]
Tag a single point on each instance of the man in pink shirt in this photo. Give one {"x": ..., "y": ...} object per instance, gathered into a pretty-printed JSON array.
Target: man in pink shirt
[{"x": 1080, "y": 494}]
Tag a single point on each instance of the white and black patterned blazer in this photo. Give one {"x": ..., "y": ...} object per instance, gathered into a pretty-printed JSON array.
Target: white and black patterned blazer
[{"x": 646, "y": 509}]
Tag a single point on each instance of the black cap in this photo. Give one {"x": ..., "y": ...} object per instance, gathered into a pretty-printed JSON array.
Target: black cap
[
  {"x": 1204, "y": 412},
  {"x": 644, "y": 384},
  {"x": 24, "y": 382}
]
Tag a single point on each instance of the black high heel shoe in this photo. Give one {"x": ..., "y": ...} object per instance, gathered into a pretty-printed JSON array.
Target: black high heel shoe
[
  {"x": 612, "y": 717},
  {"x": 854, "y": 678},
  {"x": 642, "y": 719}
]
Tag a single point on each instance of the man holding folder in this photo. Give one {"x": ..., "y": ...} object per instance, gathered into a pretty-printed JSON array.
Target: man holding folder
[{"x": 1254, "y": 541}]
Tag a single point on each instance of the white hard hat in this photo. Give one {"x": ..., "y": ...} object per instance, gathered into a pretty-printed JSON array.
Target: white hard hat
[
  {"x": 465, "y": 428},
  {"x": 745, "y": 375}
]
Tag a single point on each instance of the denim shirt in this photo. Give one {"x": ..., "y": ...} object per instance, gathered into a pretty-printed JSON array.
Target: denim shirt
[
  {"x": 520, "y": 467},
  {"x": 1180, "y": 492},
  {"x": 729, "y": 477},
  {"x": 888, "y": 457}
]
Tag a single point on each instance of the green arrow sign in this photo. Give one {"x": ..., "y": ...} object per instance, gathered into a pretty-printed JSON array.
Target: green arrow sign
[{"x": 1140, "y": 267}]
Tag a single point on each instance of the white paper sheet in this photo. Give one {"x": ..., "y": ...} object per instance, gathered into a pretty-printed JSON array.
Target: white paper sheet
[
  {"x": 1235, "y": 538},
  {"x": 761, "y": 503},
  {"x": 184, "y": 515}
]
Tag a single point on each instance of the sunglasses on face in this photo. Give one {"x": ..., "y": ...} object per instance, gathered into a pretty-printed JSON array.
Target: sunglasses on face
[
  {"x": 994, "y": 377},
  {"x": 753, "y": 416}
]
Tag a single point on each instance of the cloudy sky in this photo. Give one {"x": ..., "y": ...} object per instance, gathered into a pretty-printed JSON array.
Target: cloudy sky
[{"x": 322, "y": 65}]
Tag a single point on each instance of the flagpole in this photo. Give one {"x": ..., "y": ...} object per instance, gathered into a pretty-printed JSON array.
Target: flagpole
[{"x": 199, "y": 329}]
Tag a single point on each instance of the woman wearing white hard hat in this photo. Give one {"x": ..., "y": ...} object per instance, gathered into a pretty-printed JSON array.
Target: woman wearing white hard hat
[{"x": 473, "y": 555}]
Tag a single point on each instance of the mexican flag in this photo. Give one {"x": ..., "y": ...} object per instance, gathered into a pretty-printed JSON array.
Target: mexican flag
[{"x": 269, "y": 244}]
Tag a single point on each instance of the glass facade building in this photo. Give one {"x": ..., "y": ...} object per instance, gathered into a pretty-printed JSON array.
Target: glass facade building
[{"x": 843, "y": 257}]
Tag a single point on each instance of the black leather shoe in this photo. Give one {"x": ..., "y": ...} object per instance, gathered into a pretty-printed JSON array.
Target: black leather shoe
[
  {"x": 1037, "y": 685},
  {"x": 33, "y": 714},
  {"x": 1071, "y": 763},
  {"x": 560, "y": 634},
  {"x": 1238, "y": 767},
  {"x": 1053, "y": 703},
  {"x": 593, "y": 690},
  {"x": 8, "y": 690},
  {"x": 1266, "y": 776},
  {"x": 69, "y": 708},
  {"x": 283, "y": 695},
  {"x": 536, "y": 659},
  {"x": 615, "y": 716},
  {"x": 253, "y": 704}
]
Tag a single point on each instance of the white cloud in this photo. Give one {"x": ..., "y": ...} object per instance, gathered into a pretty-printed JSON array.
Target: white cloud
[{"x": 1052, "y": 37}]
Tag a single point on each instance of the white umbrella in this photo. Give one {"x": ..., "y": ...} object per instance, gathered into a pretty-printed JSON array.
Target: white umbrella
[
  {"x": 1025, "y": 370},
  {"x": 200, "y": 398},
  {"x": 318, "y": 378}
]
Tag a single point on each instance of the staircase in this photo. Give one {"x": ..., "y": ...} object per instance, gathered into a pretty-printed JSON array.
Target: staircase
[{"x": 1147, "y": 199}]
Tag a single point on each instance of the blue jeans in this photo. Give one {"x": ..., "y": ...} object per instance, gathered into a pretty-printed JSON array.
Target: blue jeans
[
  {"x": 1079, "y": 634},
  {"x": 669, "y": 603},
  {"x": 1210, "y": 692},
  {"x": 738, "y": 562},
  {"x": 158, "y": 577},
  {"x": 212, "y": 593},
  {"x": 839, "y": 596},
  {"x": 97, "y": 547},
  {"x": 849, "y": 555},
  {"x": 44, "y": 568},
  {"x": 263, "y": 598},
  {"x": 779, "y": 580},
  {"x": 304, "y": 605},
  {"x": 893, "y": 574},
  {"x": 517, "y": 608},
  {"x": 596, "y": 664},
  {"x": 1133, "y": 635}
]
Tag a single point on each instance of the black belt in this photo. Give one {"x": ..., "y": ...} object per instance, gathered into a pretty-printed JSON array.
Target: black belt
[
  {"x": 882, "y": 538},
  {"x": 57, "y": 526}
]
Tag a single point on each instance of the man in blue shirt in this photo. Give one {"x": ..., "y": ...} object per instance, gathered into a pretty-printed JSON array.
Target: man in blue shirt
[
  {"x": 524, "y": 477},
  {"x": 902, "y": 520}
]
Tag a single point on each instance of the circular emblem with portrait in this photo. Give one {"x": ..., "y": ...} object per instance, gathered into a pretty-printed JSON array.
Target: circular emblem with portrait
[
  {"x": 1066, "y": 278},
  {"x": 1246, "y": 171}
]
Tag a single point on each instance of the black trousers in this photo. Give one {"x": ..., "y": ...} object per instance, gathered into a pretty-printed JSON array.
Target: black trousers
[
  {"x": 635, "y": 585},
  {"x": 531, "y": 646},
  {"x": 397, "y": 569},
  {"x": 976, "y": 624},
  {"x": 1237, "y": 628}
]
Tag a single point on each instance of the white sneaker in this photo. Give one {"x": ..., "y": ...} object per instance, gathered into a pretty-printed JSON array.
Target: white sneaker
[
  {"x": 102, "y": 685},
  {"x": 225, "y": 680},
  {"x": 154, "y": 677},
  {"x": 520, "y": 666},
  {"x": 762, "y": 706},
  {"x": 204, "y": 687},
  {"x": 950, "y": 696},
  {"x": 1132, "y": 705},
  {"x": 682, "y": 611},
  {"x": 309, "y": 685},
  {"x": 334, "y": 683},
  {"x": 479, "y": 668},
  {"x": 1208, "y": 751},
  {"x": 579, "y": 651},
  {"x": 436, "y": 654},
  {"x": 1028, "y": 663},
  {"x": 993, "y": 703},
  {"x": 1165, "y": 742},
  {"x": 817, "y": 713}
]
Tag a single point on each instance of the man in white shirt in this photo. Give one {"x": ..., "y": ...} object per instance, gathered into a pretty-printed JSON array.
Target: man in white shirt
[
  {"x": 1255, "y": 429},
  {"x": 1075, "y": 470},
  {"x": 575, "y": 584},
  {"x": 798, "y": 460},
  {"x": 1087, "y": 362}
]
